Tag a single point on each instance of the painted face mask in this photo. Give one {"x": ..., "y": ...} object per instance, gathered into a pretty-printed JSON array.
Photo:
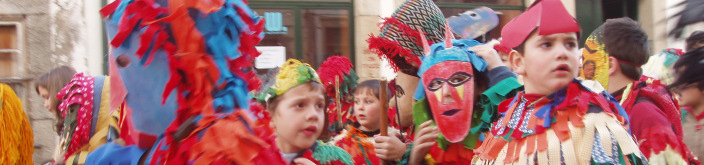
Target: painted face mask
[
  {"x": 450, "y": 91},
  {"x": 595, "y": 64},
  {"x": 447, "y": 83},
  {"x": 141, "y": 82}
]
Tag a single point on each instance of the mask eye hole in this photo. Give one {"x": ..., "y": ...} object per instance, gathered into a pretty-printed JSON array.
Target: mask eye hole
[
  {"x": 435, "y": 84},
  {"x": 459, "y": 78},
  {"x": 122, "y": 61}
]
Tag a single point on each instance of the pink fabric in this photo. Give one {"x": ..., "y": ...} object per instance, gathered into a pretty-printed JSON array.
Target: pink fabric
[{"x": 79, "y": 91}]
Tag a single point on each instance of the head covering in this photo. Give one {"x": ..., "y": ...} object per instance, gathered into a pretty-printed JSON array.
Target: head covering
[
  {"x": 549, "y": 16},
  {"x": 342, "y": 68},
  {"x": 400, "y": 40},
  {"x": 206, "y": 48},
  {"x": 291, "y": 74},
  {"x": 658, "y": 66}
]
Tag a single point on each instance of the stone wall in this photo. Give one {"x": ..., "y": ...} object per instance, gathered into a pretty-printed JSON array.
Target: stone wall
[{"x": 52, "y": 33}]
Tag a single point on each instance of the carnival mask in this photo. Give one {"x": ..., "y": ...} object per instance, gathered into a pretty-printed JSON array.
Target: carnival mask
[
  {"x": 140, "y": 82},
  {"x": 595, "y": 64},
  {"x": 450, "y": 91}
]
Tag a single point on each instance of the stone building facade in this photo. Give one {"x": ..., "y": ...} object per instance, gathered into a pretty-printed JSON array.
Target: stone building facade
[{"x": 37, "y": 36}]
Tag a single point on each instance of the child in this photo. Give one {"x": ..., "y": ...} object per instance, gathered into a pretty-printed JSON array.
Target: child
[
  {"x": 88, "y": 121},
  {"x": 16, "y": 135},
  {"x": 399, "y": 42},
  {"x": 337, "y": 75},
  {"x": 618, "y": 48},
  {"x": 48, "y": 85},
  {"x": 296, "y": 102},
  {"x": 358, "y": 139},
  {"x": 555, "y": 119},
  {"x": 452, "y": 78},
  {"x": 689, "y": 84}
]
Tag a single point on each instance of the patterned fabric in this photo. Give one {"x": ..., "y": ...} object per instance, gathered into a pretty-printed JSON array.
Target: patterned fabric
[
  {"x": 77, "y": 109},
  {"x": 572, "y": 126},
  {"x": 16, "y": 137},
  {"x": 357, "y": 144},
  {"x": 400, "y": 40}
]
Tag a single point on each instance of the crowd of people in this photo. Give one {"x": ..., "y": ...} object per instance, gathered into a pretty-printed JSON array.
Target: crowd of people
[{"x": 182, "y": 89}]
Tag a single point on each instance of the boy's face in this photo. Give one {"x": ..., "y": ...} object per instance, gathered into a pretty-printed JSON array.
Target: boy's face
[
  {"x": 366, "y": 110},
  {"x": 548, "y": 63},
  {"x": 298, "y": 118}
]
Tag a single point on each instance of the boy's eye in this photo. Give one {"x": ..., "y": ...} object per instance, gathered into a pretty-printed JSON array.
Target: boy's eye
[
  {"x": 435, "y": 84},
  {"x": 368, "y": 102},
  {"x": 459, "y": 78},
  {"x": 571, "y": 44},
  {"x": 545, "y": 45}
]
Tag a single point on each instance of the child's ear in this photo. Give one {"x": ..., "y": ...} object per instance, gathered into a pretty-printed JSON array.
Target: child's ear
[
  {"x": 613, "y": 66},
  {"x": 517, "y": 63}
]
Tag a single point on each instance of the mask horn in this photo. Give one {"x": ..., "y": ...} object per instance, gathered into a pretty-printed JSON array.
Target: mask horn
[
  {"x": 426, "y": 47},
  {"x": 448, "y": 36}
]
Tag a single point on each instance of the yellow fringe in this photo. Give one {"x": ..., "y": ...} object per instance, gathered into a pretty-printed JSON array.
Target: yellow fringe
[
  {"x": 668, "y": 156},
  {"x": 16, "y": 137}
]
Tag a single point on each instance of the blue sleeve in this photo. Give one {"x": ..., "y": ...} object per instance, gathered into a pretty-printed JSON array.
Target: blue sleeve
[{"x": 498, "y": 74}]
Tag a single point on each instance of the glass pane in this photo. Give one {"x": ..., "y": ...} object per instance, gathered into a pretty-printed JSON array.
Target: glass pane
[
  {"x": 504, "y": 17},
  {"x": 279, "y": 30},
  {"x": 499, "y": 2},
  {"x": 8, "y": 62},
  {"x": 325, "y": 33},
  {"x": 8, "y": 37}
]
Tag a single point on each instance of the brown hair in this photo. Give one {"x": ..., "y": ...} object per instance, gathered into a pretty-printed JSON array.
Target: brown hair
[
  {"x": 626, "y": 41},
  {"x": 54, "y": 81},
  {"x": 373, "y": 86},
  {"x": 693, "y": 39}
]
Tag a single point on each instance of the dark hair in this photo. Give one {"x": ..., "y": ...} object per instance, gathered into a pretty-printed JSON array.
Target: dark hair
[
  {"x": 693, "y": 39},
  {"x": 688, "y": 69},
  {"x": 53, "y": 81},
  {"x": 372, "y": 85},
  {"x": 626, "y": 41}
]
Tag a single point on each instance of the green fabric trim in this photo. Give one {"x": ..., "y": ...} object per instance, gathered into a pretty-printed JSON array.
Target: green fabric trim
[
  {"x": 327, "y": 153},
  {"x": 421, "y": 113},
  {"x": 684, "y": 114},
  {"x": 406, "y": 155},
  {"x": 490, "y": 100}
]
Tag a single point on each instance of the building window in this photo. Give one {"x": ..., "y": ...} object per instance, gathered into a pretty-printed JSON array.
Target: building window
[
  {"x": 308, "y": 30},
  {"x": 9, "y": 50}
]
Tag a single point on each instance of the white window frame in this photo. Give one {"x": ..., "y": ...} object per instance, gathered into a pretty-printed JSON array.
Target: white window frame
[{"x": 18, "y": 50}]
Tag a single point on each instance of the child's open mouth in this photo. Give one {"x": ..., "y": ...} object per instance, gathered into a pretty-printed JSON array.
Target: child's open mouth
[
  {"x": 562, "y": 69},
  {"x": 309, "y": 131},
  {"x": 361, "y": 117}
]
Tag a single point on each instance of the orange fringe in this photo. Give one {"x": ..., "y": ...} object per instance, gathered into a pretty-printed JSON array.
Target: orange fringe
[{"x": 16, "y": 137}]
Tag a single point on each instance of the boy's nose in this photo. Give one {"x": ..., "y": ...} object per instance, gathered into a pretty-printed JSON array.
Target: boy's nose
[{"x": 446, "y": 94}]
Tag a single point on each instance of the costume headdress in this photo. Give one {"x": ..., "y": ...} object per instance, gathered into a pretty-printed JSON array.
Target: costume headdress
[
  {"x": 399, "y": 40},
  {"x": 291, "y": 74},
  {"x": 197, "y": 53},
  {"x": 549, "y": 16},
  {"x": 338, "y": 76}
]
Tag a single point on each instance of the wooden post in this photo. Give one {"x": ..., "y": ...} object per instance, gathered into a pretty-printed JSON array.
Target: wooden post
[
  {"x": 384, "y": 110},
  {"x": 338, "y": 107},
  {"x": 383, "y": 105}
]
